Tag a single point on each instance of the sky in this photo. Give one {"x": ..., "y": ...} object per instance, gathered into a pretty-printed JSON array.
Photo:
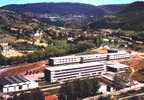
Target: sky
[{"x": 93, "y": 2}]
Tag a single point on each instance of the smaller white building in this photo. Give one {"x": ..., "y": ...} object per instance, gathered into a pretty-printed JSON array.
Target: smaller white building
[
  {"x": 113, "y": 69},
  {"x": 16, "y": 83},
  {"x": 116, "y": 68},
  {"x": 103, "y": 88}
]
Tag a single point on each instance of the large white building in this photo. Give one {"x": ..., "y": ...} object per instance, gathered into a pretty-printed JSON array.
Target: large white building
[
  {"x": 80, "y": 66},
  {"x": 54, "y": 61},
  {"x": 16, "y": 83},
  {"x": 74, "y": 71}
]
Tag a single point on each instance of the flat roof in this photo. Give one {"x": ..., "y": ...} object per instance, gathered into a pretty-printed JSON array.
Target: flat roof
[
  {"x": 119, "y": 52},
  {"x": 89, "y": 55},
  {"x": 13, "y": 80},
  {"x": 86, "y": 55},
  {"x": 71, "y": 66},
  {"x": 117, "y": 65},
  {"x": 62, "y": 57},
  {"x": 108, "y": 76}
]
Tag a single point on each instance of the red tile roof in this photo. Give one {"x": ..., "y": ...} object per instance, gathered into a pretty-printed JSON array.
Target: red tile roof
[{"x": 51, "y": 98}]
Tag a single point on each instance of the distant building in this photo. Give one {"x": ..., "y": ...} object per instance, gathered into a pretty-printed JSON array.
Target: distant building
[
  {"x": 16, "y": 83},
  {"x": 103, "y": 88},
  {"x": 5, "y": 47}
]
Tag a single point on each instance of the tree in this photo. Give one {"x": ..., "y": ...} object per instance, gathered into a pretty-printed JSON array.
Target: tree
[
  {"x": 140, "y": 35},
  {"x": 64, "y": 92},
  {"x": 84, "y": 45},
  {"x": 94, "y": 86},
  {"x": 37, "y": 94},
  {"x": 134, "y": 98},
  {"x": 104, "y": 98},
  {"x": 34, "y": 95},
  {"x": 78, "y": 89},
  {"x": 3, "y": 60},
  {"x": 84, "y": 88},
  {"x": 98, "y": 41}
]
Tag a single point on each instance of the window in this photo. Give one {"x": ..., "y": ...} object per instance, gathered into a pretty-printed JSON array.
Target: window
[
  {"x": 111, "y": 69},
  {"x": 20, "y": 87}
]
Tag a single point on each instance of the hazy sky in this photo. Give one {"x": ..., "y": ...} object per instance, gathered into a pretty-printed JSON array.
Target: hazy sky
[{"x": 94, "y": 2}]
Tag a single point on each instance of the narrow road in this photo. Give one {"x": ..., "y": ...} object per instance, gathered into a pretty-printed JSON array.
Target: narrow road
[
  {"x": 51, "y": 88},
  {"x": 127, "y": 97}
]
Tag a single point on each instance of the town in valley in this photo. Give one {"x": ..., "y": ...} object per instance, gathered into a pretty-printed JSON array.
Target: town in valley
[{"x": 72, "y": 50}]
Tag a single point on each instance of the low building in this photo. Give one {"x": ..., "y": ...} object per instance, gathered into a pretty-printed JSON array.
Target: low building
[
  {"x": 5, "y": 47},
  {"x": 113, "y": 69},
  {"x": 16, "y": 83},
  {"x": 116, "y": 68},
  {"x": 74, "y": 71},
  {"x": 102, "y": 88}
]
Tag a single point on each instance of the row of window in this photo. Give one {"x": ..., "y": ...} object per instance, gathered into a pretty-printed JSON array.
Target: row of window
[
  {"x": 80, "y": 73},
  {"x": 75, "y": 77},
  {"x": 61, "y": 61},
  {"x": 67, "y": 78},
  {"x": 78, "y": 58},
  {"x": 13, "y": 88},
  {"x": 71, "y": 69},
  {"x": 99, "y": 59},
  {"x": 79, "y": 70}
]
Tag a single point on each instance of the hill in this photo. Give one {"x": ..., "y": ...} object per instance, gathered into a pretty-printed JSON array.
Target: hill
[
  {"x": 74, "y": 15},
  {"x": 57, "y": 8},
  {"x": 133, "y": 7},
  {"x": 16, "y": 24},
  {"x": 131, "y": 17},
  {"x": 113, "y": 8},
  {"x": 13, "y": 19},
  {"x": 125, "y": 16}
]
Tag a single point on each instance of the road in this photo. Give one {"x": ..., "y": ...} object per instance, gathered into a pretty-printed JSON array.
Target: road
[
  {"x": 51, "y": 88},
  {"x": 127, "y": 97}
]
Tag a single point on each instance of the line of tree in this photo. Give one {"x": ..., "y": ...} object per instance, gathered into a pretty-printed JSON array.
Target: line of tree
[
  {"x": 104, "y": 98},
  {"x": 78, "y": 89},
  {"x": 56, "y": 48}
]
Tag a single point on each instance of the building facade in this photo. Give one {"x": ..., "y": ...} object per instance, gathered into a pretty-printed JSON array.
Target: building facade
[
  {"x": 74, "y": 71},
  {"x": 114, "y": 69},
  {"x": 16, "y": 83},
  {"x": 87, "y": 58}
]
